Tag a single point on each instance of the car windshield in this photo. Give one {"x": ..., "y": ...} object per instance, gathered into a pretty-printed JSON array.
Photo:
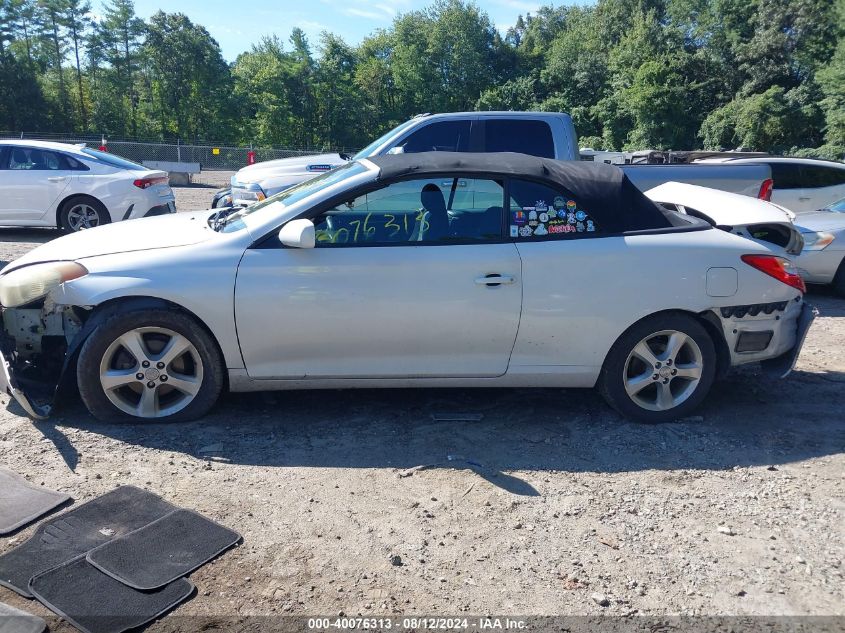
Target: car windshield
[
  {"x": 372, "y": 147},
  {"x": 838, "y": 206},
  {"x": 111, "y": 159},
  {"x": 234, "y": 221}
]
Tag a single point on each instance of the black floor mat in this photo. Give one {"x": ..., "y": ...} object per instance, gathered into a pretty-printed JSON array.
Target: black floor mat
[
  {"x": 96, "y": 603},
  {"x": 164, "y": 550},
  {"x": 83, "y": 528},
  {"x": 16, "y": 621},
  {"x": 21, "y": 502}
]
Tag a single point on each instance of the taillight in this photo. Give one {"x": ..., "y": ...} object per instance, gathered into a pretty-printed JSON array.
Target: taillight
[
  {"x": 144, "y": 183},
  {"x": 766, "y": 190},
  {"x": 778, "y": 267}
]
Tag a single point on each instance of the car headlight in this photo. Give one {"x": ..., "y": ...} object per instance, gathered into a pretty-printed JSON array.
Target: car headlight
[
  {"x": 248, "y": 192},
  {"x": 816, "y": 241},
  {"x": 27, "y": 284}
]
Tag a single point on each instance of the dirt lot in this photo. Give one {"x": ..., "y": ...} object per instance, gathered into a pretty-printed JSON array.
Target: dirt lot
[{"x": 361, "y": 502}]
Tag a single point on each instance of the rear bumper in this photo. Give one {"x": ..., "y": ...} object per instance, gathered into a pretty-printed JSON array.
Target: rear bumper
[
  {"x": 769, "y": 333},
  {"x": 782, "y": 366},
  {"x": 162, "y": 209}
]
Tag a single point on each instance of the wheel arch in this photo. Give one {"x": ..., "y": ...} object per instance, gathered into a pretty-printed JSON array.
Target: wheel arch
[
  {"x": 114, "y": 306},
  {"x": 707, "y": 319},
  {"x": 74, "y": 196}
]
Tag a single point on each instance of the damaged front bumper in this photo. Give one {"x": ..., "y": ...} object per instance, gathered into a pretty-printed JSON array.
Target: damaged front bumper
[
  {"x": 36, "y": 347},
  {"x": 9, "y": 385}
]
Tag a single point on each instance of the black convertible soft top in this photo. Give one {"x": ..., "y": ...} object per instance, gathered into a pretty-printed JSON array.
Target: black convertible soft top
[{"x": 603, "y": 189}]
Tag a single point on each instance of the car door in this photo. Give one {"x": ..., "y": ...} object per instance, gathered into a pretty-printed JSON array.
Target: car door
[
  {"x": 788, "y": 186},
  {"x": 437, "y": 136},
  {"x": 522, "y": 135},
  {"x": 399, "y": 285},
  {"x": 823, "y": 185},
  {"x": 32, "y": 180}
]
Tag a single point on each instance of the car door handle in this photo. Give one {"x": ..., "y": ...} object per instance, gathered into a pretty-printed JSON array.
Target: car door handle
[
  {"x": 56, "y": 178},
  {"x": 494, "y": 279},
  {"x": 804, "y": 198}
]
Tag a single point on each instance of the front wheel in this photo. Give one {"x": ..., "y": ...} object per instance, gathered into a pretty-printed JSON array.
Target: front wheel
[
  {"x": 660, "y": 369},
  {"x": 149, "y": 365}
]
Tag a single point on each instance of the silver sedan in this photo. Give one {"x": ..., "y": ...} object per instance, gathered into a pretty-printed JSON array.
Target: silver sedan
[
  {"x": 823, "y": 259},
  {"x": 418, "y": 270}
]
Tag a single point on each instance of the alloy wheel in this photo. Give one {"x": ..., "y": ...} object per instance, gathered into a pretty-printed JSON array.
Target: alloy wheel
[
  {"x": 151, "y": 372},
  {"x": 663, "y": 370},
  {"x": 82, "y": 216}
]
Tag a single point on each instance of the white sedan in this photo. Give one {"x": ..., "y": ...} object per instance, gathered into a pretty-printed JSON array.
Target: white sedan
[
  {"x": 418, "y": 270},
  {"x": 73, "y": 187}
]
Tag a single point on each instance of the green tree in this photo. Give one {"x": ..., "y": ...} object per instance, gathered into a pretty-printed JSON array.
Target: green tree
[{"x": 190, "y": 81}]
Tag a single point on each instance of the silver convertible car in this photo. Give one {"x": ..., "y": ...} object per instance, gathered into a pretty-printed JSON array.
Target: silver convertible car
[{"x": 418, "y": 270}]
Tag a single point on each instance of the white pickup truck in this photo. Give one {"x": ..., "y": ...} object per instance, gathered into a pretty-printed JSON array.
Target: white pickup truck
[{"x": 545, "y": 134}]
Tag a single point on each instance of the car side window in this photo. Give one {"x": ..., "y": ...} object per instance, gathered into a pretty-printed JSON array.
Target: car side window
[
  {"x": 443, "y": 136},
  {"x": 33, "y": 159},
  {"x": 450, "y": 209},
  {"x": 541, "y": 211},
  {"x": 817, "y": 177},
  {"x": 517, "y": 135},
  {"x": 786, "y": 176},
  {"x": 70, "y": 163}
]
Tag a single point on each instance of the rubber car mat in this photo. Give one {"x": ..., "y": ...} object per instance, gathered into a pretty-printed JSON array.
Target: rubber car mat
[
  {"x": 166, "y": 549},
  {"x": 21, "y": 502},
  {"x": 94, "y": 602},
  {"x": 16, "y": 621},
  {"x": 82, "y": 528}
]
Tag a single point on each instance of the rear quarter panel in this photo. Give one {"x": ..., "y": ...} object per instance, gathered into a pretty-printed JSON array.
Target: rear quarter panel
[{"x": 580, "y": 295}]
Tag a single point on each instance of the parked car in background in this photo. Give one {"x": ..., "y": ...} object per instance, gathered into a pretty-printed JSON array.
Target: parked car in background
[
  {"x": 542, "y": 134},
  {"x": 222, "y": 198},
  {"x": 73, "y": 187},
  {"x": 800, "y": 184},
  {"x": 436, "y": 269},
  {"x": 822, "y": 260},
  {"x": 751, "y": 218}
]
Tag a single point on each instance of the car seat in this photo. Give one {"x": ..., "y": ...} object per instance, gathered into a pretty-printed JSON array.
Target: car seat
[
  {"x": 19, "y": 159},
  {"x": 436, "y": 217}
]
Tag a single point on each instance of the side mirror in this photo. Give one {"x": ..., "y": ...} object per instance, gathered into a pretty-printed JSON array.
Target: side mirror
[
  {"x": 396, "y": 150},
  {"x": 298, "y": 234}
]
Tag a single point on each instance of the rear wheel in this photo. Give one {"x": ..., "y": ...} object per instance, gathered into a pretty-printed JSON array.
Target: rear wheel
[
  {"x": 155, "y": 365},
  {"x": 83, "y": 213},
  {"x": 660, "y": 369}
]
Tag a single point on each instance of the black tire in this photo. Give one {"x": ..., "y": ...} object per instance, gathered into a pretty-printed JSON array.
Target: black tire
[
  {"x": 95, "y": 205},
  {"x": 98, "y": 343},
  {"x": 613, "y": 375},
  {"x": 839, "y": 280}
]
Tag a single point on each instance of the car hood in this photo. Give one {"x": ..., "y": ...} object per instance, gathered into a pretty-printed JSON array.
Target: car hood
[
  {"x": 299, "y": 165},
  {"x": 724, "y": 208},
  {"x": 166, "y": 231},
  {"x": 821, "y": 221}
]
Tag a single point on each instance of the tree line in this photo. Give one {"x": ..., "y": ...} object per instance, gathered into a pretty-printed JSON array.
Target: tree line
[{"x": 664, "y": 74}]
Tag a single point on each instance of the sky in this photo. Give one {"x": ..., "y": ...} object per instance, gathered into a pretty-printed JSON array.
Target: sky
[{"x": 237, "y": 25}]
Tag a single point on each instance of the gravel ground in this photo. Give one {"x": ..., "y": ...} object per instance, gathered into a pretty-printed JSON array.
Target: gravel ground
[{"x": 361, "y": 502}]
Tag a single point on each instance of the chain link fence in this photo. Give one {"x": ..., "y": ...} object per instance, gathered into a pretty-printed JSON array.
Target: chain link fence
[{"x": 210, "y": 156}]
